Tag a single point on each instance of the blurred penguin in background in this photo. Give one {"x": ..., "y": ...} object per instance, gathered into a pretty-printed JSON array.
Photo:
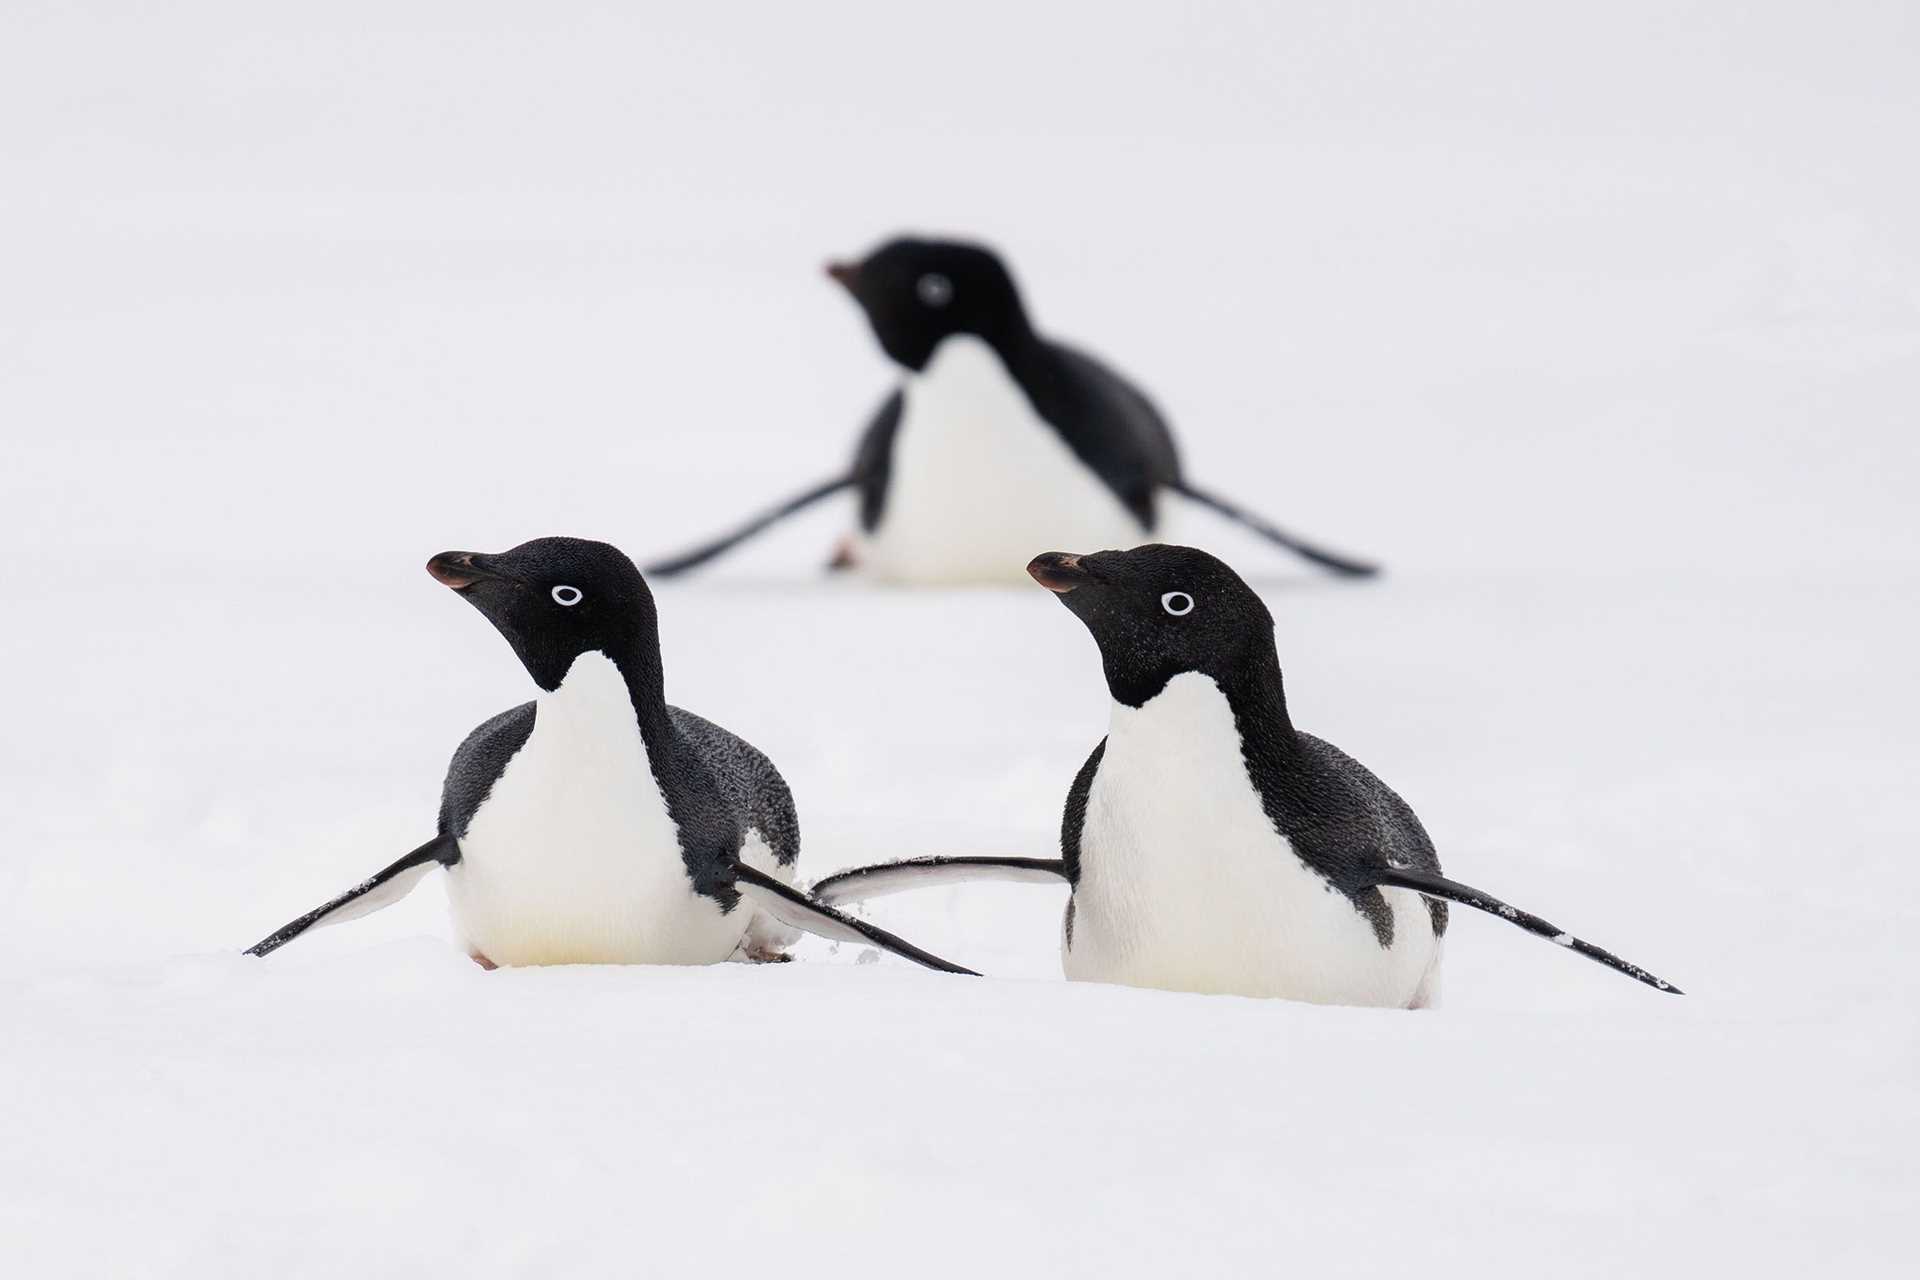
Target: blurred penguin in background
[{"x": 997, "y": 439}]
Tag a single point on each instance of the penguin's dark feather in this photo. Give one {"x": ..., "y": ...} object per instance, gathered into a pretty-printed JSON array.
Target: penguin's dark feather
[
  {"x": 1074, "y": 817},
  {"x": 1364, "y": 808},
  {"x": 748, "y": 780},
  {"x": 1438, "y": 886},
  {"x": 873, "y": 461},
  {"x": 1109, "y": 424},
  {"x": 381, "y": 889},
  {"x": 797, "y": 910},
  {"x": 706, "y": 551},
  {"x": 477, "y": 763}
]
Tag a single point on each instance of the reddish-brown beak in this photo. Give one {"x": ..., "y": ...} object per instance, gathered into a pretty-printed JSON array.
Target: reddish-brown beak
[
  {"x": 1057, "y": 571},
  {"x": 455, "y": 569}
]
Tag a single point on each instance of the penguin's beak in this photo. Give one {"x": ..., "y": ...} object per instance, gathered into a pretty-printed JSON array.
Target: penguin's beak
[
  {"x": 461, "y": 569},
  {"x": 844, "y": 274},
  {"x": 1058, "y": 571}
]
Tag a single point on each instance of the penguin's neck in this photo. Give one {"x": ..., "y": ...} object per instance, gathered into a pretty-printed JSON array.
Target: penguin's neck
[
  {"x": 1013, "y": 340},
  {"x": 614, "y": 690},
  {"x": 1020, "y": 349},
  {"x": 1254, "y": 692}
]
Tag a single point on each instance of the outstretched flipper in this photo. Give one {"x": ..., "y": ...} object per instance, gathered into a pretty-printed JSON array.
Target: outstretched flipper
[
  {"x": 864, "y": 883},
  {"x": 798, "y": 911},
  {"x": 707, "y": 551},
  {"x": 382, "y": 889},
  {"x": 1438, "y": 886},
  {"x": 1340, "y": 564}
]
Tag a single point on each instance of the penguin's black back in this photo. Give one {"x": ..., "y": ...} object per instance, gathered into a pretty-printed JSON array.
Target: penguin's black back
[
  {"x": 1343, "y": 822},
  {"x": 1109, "y": 423},
  {"x": 1390, "y": 823},
  {"x": 747, "y": 782},
  {"x": 1131, "y": 414}
]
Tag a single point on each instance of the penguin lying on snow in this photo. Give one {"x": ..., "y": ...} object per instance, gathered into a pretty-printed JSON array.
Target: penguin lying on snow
[
  {"x": 998, "y": 440},
  {"x": 596, "y": 824},
  {"x": 1210, "y": 845}
]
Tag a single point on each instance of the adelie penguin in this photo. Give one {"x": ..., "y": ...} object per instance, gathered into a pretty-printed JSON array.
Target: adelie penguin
[
  {"x": 1211, "y": 846},
  {"x": 597, "y": 824},
  {"x": 997, "y": 440}
]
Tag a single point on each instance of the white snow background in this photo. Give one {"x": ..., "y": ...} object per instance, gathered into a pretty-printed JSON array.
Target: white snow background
[{"x": 1599, "y": 325}]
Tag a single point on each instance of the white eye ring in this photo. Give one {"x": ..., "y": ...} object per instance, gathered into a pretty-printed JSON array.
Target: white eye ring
[
  {"x": 1177, "y": 603},
  {"x": 934, "y": 289},
  {"x": 566, "y": 596}
]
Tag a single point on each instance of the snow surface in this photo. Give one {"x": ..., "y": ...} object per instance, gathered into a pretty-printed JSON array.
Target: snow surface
[{"x": 1602, "y": 330}]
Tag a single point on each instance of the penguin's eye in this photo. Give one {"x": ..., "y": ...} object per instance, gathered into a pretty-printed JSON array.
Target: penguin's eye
[
  {"x": 1177, "y": 603},
  {"x": 934, "y": 289},
  {"x": 568, "y": 596}
]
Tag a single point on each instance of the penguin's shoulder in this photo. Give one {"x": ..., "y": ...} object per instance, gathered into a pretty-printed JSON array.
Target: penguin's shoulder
[
  {"x": 1395, "y": 829},
  {"x": 1348, "y": 825},
  {"x": 1145, "y": 426},
  {"x": 1109, "y": 423},
  {"x": 745, "y": 779},
  {"x": 478, "y": 763}
]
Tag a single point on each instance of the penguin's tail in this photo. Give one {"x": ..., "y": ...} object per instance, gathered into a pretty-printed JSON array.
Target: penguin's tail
[
  {"x": 726, "y": 542},
  {"x": 1438, "y": 886},
  {"x": 1346, "y": 566},
  {"x": 861, "y": 884}
]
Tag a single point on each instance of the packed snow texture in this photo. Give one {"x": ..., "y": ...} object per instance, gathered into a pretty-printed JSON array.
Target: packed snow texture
[{"x": 1600, "y": 327}]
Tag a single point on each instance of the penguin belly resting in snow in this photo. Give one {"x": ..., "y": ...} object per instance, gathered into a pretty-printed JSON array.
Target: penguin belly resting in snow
[
  {"x": 597, "y": 824},
  {"x": 1209, "y": 845},
  {"x": 996, "y": 441}
]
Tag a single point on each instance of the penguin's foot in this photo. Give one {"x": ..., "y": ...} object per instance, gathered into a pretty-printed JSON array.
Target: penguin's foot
[
  {"x": 482, "y": 961},
  {"x": 844, "y": 556},
  {"x": 752, "y": 951}
]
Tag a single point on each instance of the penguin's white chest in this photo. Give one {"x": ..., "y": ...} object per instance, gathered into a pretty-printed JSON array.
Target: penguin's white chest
[
  {"x": 573, "y": 858},
  {"x": 1185, "y": 884},
  {"x": 980, "y": 483}
]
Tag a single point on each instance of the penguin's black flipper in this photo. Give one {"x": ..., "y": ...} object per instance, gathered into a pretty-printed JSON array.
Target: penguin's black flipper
[
  {"x": 796, "y": 910},
  {"x": 864, "y": 883},
  {"x": 382, "y": 889},
  {"x": 1343, "y": 565},
  {"x": 1438, "y": 886},
  {"x": 873, "y": 459},
  {"x": 707, "y": 551}
]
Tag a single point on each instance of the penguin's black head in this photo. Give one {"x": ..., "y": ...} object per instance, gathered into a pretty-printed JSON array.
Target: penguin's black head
[
  {"x": 555, "y": 599},
  {"x": 918, "y": 292},
  {"x": 1158, "y": 611}
]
